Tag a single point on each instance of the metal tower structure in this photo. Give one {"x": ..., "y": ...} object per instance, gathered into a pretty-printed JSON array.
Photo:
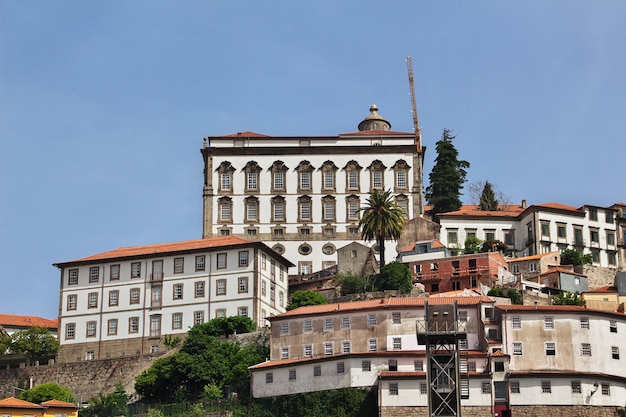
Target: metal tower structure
[
  {"x": 418, "y": 140},
  {"x": 441, "y": 330}
]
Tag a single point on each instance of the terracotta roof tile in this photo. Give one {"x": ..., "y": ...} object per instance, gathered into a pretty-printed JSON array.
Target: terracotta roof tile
[
  {"x": 376, "y": 133},
  {"x": 558, "y": 206},
  {"x": 399, "y": 302},
  {"x": 396, "y": 374},
  {"x": 606, "y": 289},
  {"x": 517, "y": 307},
  {"x": 161, "y": 248},
  {"x": 13, "y": 402},
  {"x": 533, "y": 257},
  {"x": 14, "y": 320},
  {"x": 60, "y": 404},
  {"x": 246, "y": 134}
]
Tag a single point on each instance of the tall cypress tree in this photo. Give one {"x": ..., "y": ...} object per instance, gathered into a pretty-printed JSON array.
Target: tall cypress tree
[
  {"x": 488, "y": 200},
  {"x": 447, "y": 177}
]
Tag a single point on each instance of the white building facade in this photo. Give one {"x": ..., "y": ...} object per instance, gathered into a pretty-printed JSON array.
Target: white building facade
[
  {"x": 538, "y": 229},
  {"x": 125, "y": 301},
  {"x": 302, "y": 195},
  {"x": 373, "y": 344}
]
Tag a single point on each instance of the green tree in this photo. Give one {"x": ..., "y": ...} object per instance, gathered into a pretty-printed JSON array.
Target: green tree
[
  {"x": 351, "y": 283},
  {"x": 306, "y": 298},
  {"x": 514, "y": 295},
  {"x": 568, "y": 299},
  {"x": 108, "y": 405},
  {"x": 447, "y": 177},
  {"x": 396, "y": 276},
  {"x": 472, "y": 245},
  {"x": 491, "y": 245},
  {"x": 383, "y": 219},
  {"x": 488, "y": 200},
  {"x": 45, "y": 392},
  {"x": 575, "y": 258},
  {"x": 35, "y": 343}
]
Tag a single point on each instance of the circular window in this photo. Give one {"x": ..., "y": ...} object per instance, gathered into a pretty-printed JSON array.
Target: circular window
[
  {"x": 328, "y": 249},
  {"x": 279, "y": 248},
  {"x": 376, "y": 249},
  {"x": 305, "y": 249}
]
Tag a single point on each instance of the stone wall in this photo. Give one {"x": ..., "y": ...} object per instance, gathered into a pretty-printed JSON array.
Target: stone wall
[
  {"x": 563, "y": 411},
  {"x": 599, "y": 277},
  {"x": 86, "y": 379},
  {"x": 404, "y": 412}
]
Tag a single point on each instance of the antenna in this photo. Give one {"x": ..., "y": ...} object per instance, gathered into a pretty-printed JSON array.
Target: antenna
[{"x": 418, "y": 141}]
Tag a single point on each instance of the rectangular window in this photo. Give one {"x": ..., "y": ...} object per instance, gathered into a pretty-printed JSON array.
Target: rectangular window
[
  {"x": 353, "y": 180},
  {"x": 516, "y": 322},
  {"x": 199, "y": 289},
  {"x": 613, "y": 326},
  {"x": 548, "y": 323},
  {"x": 135, "y": 270},
  {"x": 243, "y": 285},
  {"x": 284, "y": 352},
  {"x": 585, "y": 349},
  {"x": 114, "y": 272},
  {"x": 305, "y": 210},
  {"x": 401, "y": 179},
  {"x": 610, "y": 238},
  {"x": 155, "y": 325},
  {"x": 134, "y": 295},
  {"x": 329, "y": 180},
  {"x": 517, "y": 348},
  {"x": 177, "y": 321},
  {"x": 94, "y": 274},
  {"x": 72, "y": 300},
  {"x": 452, "y": 238},
  {"x": 485, "y": 387},
  {"x": 220, "y": 312},
  {"x": 317, "y": 370},
  {"x": 593, "y": 214},
  {"x": 200, "y": 262},
  {"x": 615, "y": 352},
  {"x": 178, "y": 291},
  {"x": 92, "y": 300},
  {"x": 371, "y": 320},
  {"x": 279, "y": 212},
  {"x": 584, "y": 322},
  {"x": 328, "y": 348},
  {"x": 112, "y": 327},
  {"x": 345, "y": 322},
  {"x": 91, "y": 329},
  {"x": 72, "y": 278},
  {"x": 366, "y": 366},
  {"x": 576, "y": 388},
  {"x": 305, "y": 180},
  {"x": 423, "y": 388},
  {"x": 377, "y": 179},
  {"x": 328, "y": 324},
  {"x": 243, "y": 258},
  {"x": 221, "y": 260},
  {"x": 397, "y": 343},
  {"x": 514, "y": 387},
  {"x": 242, "y": 311},
  {"x": 372, "y": 345},
  {"x": 70, "y": 330},
  {"x": 395, "y": 318},
  {"x": 114, "y": 297},
  {"x": 198, "y": 317},
  {"x": 546, "y": 387},
  {"x": 550, "y": 349},
  {"x": 225, "y": 181},
  {"x": 279, "y": 181},
  {"x": 353, "y": 210},
  {"x": 89, "y": 356},
  {"x": 393, "y": 388},
  {"x": 220, "y": 287},
  {"x": 225, "y": 211},
  {"x": 269, "y": 377},
  {"x": 418, "y": 366},
  {"x": 307, "y": 326},
  {"x": 329, "y": 211},
  {"x": 308, "y": 351},
  {"x": 179, "y": 265},
  {"x": 393, "y": 365},
  {"x": 133, "y": 325},
  {"x": 252, "y": 181},
  {"x": 292, "y": 374},
  {"x": 345, "y": 346},
  {"x": 545, "y": 229},
  {"x": 341, "y": 367},
  {"x": 605, "y": 389}
]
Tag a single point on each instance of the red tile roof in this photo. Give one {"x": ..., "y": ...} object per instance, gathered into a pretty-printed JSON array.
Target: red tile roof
[
  {"x": 163, "y": 248},
  {"x": 602, "y": 290},
  {"x": 13, "y": 320},
  {"x": 532, "y": 257},
  {"x": 13, "y": 402},
  {"x": 517, "y": 307},
  {"x": 396, "y": 374},
  {"x": 58, "y": 404},
  {"x": 377, "y": 133},
  {"x": 246, "y": 134},
  {"x": 399, "y": 302},
  {"x": 557, "y": 206}
]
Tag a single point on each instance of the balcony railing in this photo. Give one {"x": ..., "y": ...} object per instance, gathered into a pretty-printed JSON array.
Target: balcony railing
[
  {"x": 157, "y": 276},
  {"x": 441, "y": 326}
]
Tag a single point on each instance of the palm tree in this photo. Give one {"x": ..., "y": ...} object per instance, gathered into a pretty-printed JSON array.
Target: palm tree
[{"x": 383, "y": 219}]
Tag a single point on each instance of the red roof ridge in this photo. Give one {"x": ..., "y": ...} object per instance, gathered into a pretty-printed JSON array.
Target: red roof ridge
[
  {"x": 27, "y": 321},
  {"x": 12, "y": 402},
  {"x": 245, "y": 134}
]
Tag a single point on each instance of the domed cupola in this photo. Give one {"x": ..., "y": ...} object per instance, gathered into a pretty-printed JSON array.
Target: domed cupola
[{"x": 374, "y": 121}]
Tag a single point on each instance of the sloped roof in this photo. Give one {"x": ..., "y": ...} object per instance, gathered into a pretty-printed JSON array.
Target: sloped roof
[
  {"x": 395, "y": 303},
  {"x": 609, "y": 289},
  {"x": 376, "y": 133},
  {"x": 474, "y": 210},
  {"x": 59, "y": 404},
  {"x": 246, "y": 134},
  {"x": 12, "y": 402},
  {"x": 165, "y": 248},
  {"x": 532, "y": 257},
  {"x": 564, "y": 270},
  {"x": 14, "y": 320},
  {"x": 517, "y": 307}
]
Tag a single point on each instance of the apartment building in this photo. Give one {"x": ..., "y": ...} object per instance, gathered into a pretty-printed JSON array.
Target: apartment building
[
  {"x": 301, "y": 195},
  {"x": 513, "y": 359},
  {"x": 538, "y": 229},
  {"x": 124, "y": 301}
]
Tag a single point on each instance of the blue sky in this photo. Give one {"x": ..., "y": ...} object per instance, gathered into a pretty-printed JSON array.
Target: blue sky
[{"x": 104, "y": 104}]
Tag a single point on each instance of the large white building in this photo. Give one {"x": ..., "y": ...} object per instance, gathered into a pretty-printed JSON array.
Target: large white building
[
  {"x": 124, "y": 301},
  {"x": 537, "y": 229},
  {"x": 302, "y": 195},
  {"x": 515, "y": 360}
]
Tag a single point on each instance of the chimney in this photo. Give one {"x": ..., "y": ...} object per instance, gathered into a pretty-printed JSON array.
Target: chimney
[{"x": 523, "y": 204}]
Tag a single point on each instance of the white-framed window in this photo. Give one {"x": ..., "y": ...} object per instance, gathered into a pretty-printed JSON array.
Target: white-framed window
[
  {"x": 353, "y": 180},
  {"x": 397, "y": 343},
  {"x": 135, "y": 270},
  {"x": 329, "y": 211},
  {"x": 345, "y": 322},
  {"x": 242, "y": 311},
  {"x": 94, "y": 274},
  {"x": 243, "y": 285},
  {"x": 550, "y": 349},
  {"x": 514, "y": 387},
  {"x": 485, "y": 387},
  {"x": 225, "y": 181},
  {"x": 134, "y": 295},
  {"x": 200, "y": 262},
  {"x": 72, "y": 301},
  {"x": 112, "y": 327},
  {"x": 305, "y": 180},
  {"x": 252, "y": 210},
  {"x": 178, "y": 292},
  {"x": 179, "y": 265},
  {"x": 516, "y": 322},
  {"x": 393, "y": 388},
  {"x": 576, "y": 387},
  {"x": 308, "y": 351},
  {"x": 92, "y": 300},
  {"x": 114, "y": 297},
  {"x": 517, "y": 348},
  {"x": 396, "y": 317},
  {"x": 133, "y": 325},
  {"x": 377, "y": 180},
  {"x": 243, "y": 258},
  {"x": 91, "y": 329},
  {"x": 418, "y": 365},
  {"x": 221, "y": 259},
  {"x": 70, "y": 330},
  {"x": 372, "y": 345},
  {"x": 548, "y": 323},
  {"x": 615, "y": 352},
  {"x": 366, "y": 366},
  {"x": 371, "y": 320},
  {"x": 199, "y": 289},
  {"x": 89, "y": 356},
  {"x": 585, "y": 349},
  {"x": 329, "y": 180},
  {"x": 345, "y": 346},
  {"x": 155, "y": 325},
  {"x": 284, "y": 352},
  {"x": 220, "y": 287},
  {"x": 225, "y": 209},
  {"x": 606, "y": 390},
  {"x": 584, "y": 322},
  {"x": 328, "y": 324},
  {"x": 279, "y": 181},
  {"x": 307, "y": 326},
  {"x": 72, "y": 276},
  {"x": 252, "y": 181},
  {"x": 305, "y": 210},
  {"x": 328, "y": 348},
  {"x": 177, "y": 321},
  {"x": 532, "y": 266},
  {"x": 613, "y": 326}
]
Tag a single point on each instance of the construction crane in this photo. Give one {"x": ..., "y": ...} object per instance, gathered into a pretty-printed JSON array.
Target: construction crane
[{"x": 418, "y": 141}]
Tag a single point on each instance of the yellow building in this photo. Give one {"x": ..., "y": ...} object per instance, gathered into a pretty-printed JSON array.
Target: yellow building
[
  {"x": 604, "y": 298},
  {"x": 14, "y": 407}
]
